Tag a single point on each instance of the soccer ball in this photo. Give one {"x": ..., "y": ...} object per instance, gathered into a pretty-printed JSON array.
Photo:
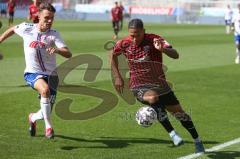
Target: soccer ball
[{"x": 145, "y": 116}]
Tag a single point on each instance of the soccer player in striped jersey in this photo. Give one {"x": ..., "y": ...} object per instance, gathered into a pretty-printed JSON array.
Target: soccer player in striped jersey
[
  {"x": 147, "y": 79},
  {"x": 41, "y": 44}
]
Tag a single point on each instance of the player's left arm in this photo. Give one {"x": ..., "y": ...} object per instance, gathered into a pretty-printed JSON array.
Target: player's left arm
[
  {"x": 9, "y": 32},
  {"x": 64, "y": 51},
  {"x": 60, "y": 47},
  {"x": 170, "y": 52},
  {"x": 162, "y": 46}
]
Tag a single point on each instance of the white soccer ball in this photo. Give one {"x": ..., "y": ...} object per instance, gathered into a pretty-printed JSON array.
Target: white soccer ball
[{"x": 145, "y": 116}]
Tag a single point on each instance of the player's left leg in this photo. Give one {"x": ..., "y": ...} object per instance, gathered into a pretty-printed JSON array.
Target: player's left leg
[
  {"x": 42, "y": 87},
  {"x": 186, "y": 121}
]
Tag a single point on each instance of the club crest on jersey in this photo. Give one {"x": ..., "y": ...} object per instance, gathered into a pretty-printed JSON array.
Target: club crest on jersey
[
  {"x": 143, "y": 59},
  {"x": 37, "y": 45}
]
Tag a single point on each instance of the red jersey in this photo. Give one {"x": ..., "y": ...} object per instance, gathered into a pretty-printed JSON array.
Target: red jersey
[
  {"x": 11, "y": 7},
  {"x": 33, "y": 12},
  {"x": 116, "y": 13},
  {"x": 145, "y": 61}
]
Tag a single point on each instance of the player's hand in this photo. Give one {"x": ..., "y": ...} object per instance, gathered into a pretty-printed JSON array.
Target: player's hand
[
  {"x": 52, "y": 50},
  {"x": 158, "y": 44},
  {"x": 119, "y": 84}
]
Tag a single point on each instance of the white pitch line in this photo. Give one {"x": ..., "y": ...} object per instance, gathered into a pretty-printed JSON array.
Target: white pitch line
[{"x": 215, "y": 148}]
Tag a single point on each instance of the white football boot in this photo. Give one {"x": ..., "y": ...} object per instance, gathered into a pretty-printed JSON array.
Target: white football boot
[{"x": 177, "y": 140}]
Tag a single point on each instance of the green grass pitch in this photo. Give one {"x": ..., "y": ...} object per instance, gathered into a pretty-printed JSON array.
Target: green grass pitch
[{"x": 205, "y": 80}]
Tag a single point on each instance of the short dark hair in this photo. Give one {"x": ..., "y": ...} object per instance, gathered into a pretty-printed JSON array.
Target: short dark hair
[
  {"x": 135, "y": 24},
  {"x": 46, "y": 6}
]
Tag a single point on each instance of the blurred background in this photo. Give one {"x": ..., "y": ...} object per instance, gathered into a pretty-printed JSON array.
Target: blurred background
[{"x": 159, "y": 11}]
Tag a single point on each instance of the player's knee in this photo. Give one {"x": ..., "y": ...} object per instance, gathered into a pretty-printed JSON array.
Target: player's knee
[
  {"x": 151, "y": 97},
  {"x": 45, "y": 92}
]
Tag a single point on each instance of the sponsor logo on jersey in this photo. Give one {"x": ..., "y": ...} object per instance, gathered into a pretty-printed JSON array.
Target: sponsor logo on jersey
[{"x": 37, "y": 45}]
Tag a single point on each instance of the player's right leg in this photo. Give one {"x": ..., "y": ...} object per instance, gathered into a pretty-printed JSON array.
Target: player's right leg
[
  {"x": 32, "y": 118},
  {"x": 150, "y": 97},
  {"x": 30, "y": 78}
]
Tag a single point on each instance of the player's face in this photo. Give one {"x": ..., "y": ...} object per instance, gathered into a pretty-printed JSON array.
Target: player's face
[
  {"x": 46, "y": 20},
  {"x": 136, "y": 35}
]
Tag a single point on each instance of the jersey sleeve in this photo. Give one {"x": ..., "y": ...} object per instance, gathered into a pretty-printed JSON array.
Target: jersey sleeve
[
  {"x": 19, "y": 29},
  {"x": 118, "y": 49},
  {"x": 166, "y": 44},
  {"x": 59, "y": 42}
]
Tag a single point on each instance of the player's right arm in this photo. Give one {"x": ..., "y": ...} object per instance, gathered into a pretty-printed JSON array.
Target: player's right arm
[
  {"x": 113, "y": 58},
  {"x": 9, "y": 32},
  {"x": 118, "y": 80}
]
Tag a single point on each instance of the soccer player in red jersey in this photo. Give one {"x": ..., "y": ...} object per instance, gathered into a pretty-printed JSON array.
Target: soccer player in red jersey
[
  {"x": 115, "y": 15},
  {"x": 147, "y": 79},
  {"x": 11, "y": 8},
  {"x": 33, "y": 11}
]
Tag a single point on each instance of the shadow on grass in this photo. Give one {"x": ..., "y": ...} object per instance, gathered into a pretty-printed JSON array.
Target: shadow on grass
[
  {"x": 113, "y": 142},
  {"x": 223, "y": 155}
]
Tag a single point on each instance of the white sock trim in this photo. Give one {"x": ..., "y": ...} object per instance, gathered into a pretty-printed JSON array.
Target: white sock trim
[{"x": 44, "y": 100}]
